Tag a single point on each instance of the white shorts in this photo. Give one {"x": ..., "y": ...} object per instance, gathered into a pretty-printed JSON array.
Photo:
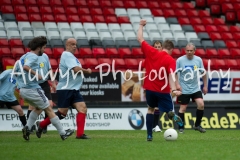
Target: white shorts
[{"x": 35, "y": 97}]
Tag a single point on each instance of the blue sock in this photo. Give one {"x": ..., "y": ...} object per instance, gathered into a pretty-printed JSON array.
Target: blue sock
[{"x": 149, "y": 123}]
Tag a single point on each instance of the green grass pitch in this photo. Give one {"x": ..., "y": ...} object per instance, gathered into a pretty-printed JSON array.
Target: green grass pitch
[{"x": 122, "y": 145}]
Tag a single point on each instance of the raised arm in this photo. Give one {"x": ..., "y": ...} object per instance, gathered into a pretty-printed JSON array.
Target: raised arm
[{"x": 140, "y": 30}]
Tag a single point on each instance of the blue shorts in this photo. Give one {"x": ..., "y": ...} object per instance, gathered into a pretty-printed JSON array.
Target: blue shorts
[
  {"x": 161, "y": 100},
  {"x": 67, "y": 98}
]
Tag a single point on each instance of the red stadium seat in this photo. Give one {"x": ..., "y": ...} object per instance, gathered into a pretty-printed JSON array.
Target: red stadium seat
[
  {"x": 4, "y": 42},
  {"x": 209, "y": 2},
  {"x": 98, "y": 19},
  {"x": 71, "y": 10},
  {"x": 234, "y": 29},
  {"x": 8, "y": 63},
  {"x": 68, "y": 3},
  {"x": 176, "y": 53},
  {"x": 232, "y": 64},
  {"x": 212, "y": 53},
  {"x": 141, "y": 4},
  {"x": 165, "y": 5},
  {"x": 183, "y": 21},
  {"x": 85, "y": 52},
  {"x": 176, "y": 5},
  {"x": 73, "y": 18},
  {"x": 35, "y": 17},
  {"x": 91, "y": 63},
  {"x": 20, "y": 9},
  {"x": 199, "y": 28},
  {"x": 112, "y": 53},
  {"x": 211, "y": 28},
  {"x": 46, "y": 9},
  {"x": 218, "y": 64},
  {"x": 137, "y": 53},
  {"x": 85, "y": 18},
  {"x": 16, "y": 2},
  {"x": 108, "y": 11},
  {"x": 117, "y": 4},
  {"x": 153, "y": 4},
  {"x": 235, "y": 53},
  {"x": 15, "y": 43},
  {"x": 201, "y": 53},
  {"x": 82, "y": 62},
  {"x": 58, "y": 10},
  {"x": 215, "y": 9},
  {"x": 188, "y": 5},
  {"x": 157, "y": 12},
  {"x": 231, "y": 17},
  {"x": 48, "y": 51},
  {"x": 231, "y": 44},
  {"x": 105, "y": 3},
  {"x": 22, "y": 17},
  {"x": 236, "y": 36},
  {"x": 207, "y": 21},
  {"x": 226, "y": 36},
  {"x": 119, "y": 63},
  {"x": 124, "y": 52},
  {"x": 77, "y": 54},
  {"x": 223, "y": 28},
  {"x": 6, "y": 9},
  {"x": 93, "y": 3},
  {"x": 48, "y": 18},
  {"x": 203, "y": 13},
  {"x": 43, "y": 2},
  {"x": 205, "y": 63},
  {"x": 131, "y": 63},
  {"x": 192, "y": 13},
  {"x": 5, "y": 52},
  {"x": 17, "y": 52},
  {"x": 180, "y": 13},
  {"x": 195, "y": 21},
  {"x": 111, "y": 19},
  {"x": 227, "y": 7},
  {"x": 168, "y": 13},
  {"x": 224, "y": 53},
  {"x": 55, "y": 3},
  {"x": 57, "y": 52},
  {"x": 129, "y": 4},
  {"x": 81, "y": 3},
  {"x": 200, "y": 3},
  {"x": 104, "y": 61},
  {"x": 30, "y": 2},
  {"x": 98, "y": 52},
  {"x": 123, "y": 20},
  {"x": 60, "y": 18},
  {"x": 218, "y": 21},
  {"x": 236, "y": 6},
  {"x": 96, "y": 11},
  {"x": 54, "y": 64},
  {"x": 215, "y": 36},
  {"x": 83, "y": 10}
]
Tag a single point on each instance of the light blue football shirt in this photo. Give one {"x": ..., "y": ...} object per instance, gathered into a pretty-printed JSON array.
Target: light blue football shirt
[
  {"x": 44, "y": 67},
  {"x": 8, "y": 84},
  {"x": 187, "y": 76},
  {"x": 68, "y": 81},
  {"x": 29, "y": 59}
]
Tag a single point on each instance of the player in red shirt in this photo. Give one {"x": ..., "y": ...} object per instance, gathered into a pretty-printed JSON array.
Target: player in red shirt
[{"x": 160, "y": 67}]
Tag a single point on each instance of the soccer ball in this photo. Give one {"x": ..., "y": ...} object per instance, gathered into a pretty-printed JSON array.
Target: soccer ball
[{"x": 170, "y": 134}]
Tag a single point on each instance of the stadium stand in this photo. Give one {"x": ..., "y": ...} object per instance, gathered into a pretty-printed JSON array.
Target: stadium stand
[{"x": 107, "y": 29}]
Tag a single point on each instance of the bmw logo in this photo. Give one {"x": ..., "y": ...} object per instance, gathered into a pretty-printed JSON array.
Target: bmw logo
[{"x": 136, "y": 119}]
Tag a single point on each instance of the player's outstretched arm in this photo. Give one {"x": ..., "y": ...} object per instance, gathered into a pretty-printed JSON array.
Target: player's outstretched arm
[
  {"x": 142, "y": 23},
  {"x": 79, "y": 69},
  {"x": 28, "y": 69}
]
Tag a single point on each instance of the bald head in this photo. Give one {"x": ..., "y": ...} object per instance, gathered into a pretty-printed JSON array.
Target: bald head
[{"x": 71, "y": 45}]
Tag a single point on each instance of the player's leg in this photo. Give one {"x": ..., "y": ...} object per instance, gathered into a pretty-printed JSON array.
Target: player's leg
[
  {"x": 152, "y": 102},
  {"x": 199, "y": 112},
  {"x": 183, "y": 100},
  {"x": 156, "y": 127},
  {"x": 80, "y": 106},
  {"x": 16, "y": 107},
  {"x": 30, "y": 108}
]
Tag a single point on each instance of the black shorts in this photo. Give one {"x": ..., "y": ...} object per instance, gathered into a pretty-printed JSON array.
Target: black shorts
[
  {"x": 67, "y": 98},
  {"x": 46, "y": 88},
  {"x": 184, "y": 99},
  {"x": 9, "y": 104}
]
